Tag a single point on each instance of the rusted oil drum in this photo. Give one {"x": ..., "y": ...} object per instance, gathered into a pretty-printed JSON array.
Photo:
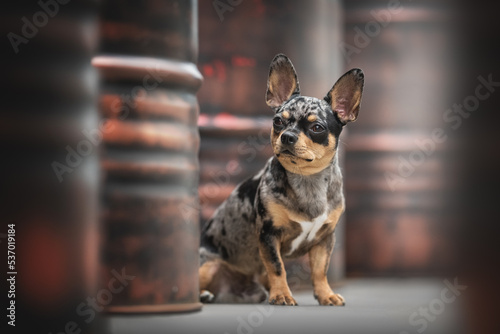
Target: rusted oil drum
[
  {"x": 150, "y": 158},
  {"x": 49, "y": 171},
  {"x": 397, "y": 190}
]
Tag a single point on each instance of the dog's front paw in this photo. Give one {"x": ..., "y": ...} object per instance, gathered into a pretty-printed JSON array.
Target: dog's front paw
[
  {"x": 332, "y": 299},
  {"x": 282, "y": 299}
]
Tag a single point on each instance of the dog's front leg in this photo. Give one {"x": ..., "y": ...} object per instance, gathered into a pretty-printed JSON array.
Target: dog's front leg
[
  {"x": 269, "y": 250},
  {"x": 319, "y": 259}
]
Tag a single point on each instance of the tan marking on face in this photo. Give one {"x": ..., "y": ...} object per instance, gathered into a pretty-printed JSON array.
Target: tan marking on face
[
  {"x": 285, "y": 114},
  {"x": 312, "y": 118},
  {"x": 305, "y": 149}
]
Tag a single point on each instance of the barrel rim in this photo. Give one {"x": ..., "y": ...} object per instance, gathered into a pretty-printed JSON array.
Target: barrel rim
[
  {"x": 122, "y": 67},
  {"x": 164, "y": 308}
]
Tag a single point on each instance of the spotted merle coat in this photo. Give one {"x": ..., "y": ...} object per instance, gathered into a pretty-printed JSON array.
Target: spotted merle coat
[{"x": 291, "y": 207}]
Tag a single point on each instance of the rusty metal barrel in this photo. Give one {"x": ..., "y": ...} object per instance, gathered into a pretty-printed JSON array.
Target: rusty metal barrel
[
  {"x": 49, "y": 171},
  {"x": 150, "y": 159}
]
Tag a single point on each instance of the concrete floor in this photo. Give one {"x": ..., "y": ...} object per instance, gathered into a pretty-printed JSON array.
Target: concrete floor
[{"x": 372, "y": 306}]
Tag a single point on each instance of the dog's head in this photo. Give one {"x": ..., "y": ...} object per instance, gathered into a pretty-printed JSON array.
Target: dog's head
[{"x": 306, "y": 129}]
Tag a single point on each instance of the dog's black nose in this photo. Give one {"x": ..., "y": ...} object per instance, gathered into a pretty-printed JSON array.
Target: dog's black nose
[{"x": 289, "y": 138}]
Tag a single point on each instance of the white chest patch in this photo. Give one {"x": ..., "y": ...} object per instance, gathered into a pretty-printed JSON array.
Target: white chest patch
[{"x": 309, "y": 230}]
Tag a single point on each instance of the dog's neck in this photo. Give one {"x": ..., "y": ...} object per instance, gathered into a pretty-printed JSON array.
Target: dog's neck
[{"x": 315, "y": 193}]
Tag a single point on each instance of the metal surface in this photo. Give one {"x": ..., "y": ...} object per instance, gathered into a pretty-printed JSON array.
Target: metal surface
[
  {"x": 49, "y": 171},
  {"x": 398, "y": 218},
  {"x": 150, "y": 154}
]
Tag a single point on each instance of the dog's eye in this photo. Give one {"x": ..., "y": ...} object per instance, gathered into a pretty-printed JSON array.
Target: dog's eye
[
  {"x": 317, "y": 128},
  {"x": 278, "y": 122}
]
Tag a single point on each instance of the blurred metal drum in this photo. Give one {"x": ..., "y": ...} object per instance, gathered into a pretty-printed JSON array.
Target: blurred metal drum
[
  {"x": 50, "y": 170},
  {"x": 150, "y": 158}
]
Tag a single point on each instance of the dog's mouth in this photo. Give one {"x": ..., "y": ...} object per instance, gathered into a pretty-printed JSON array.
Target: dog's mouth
[
  {"x": 290, "y": 154},
  {"x": 287, "y": 152}
]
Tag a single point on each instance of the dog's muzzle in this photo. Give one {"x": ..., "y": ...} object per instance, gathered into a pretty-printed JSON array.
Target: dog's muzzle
[{"x": 289, "y": 139}]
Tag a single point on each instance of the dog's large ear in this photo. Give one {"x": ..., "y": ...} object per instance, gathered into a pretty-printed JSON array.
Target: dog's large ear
[
  {"x": 282, "y": 82},
  {"x": 345, "y": 96}
]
